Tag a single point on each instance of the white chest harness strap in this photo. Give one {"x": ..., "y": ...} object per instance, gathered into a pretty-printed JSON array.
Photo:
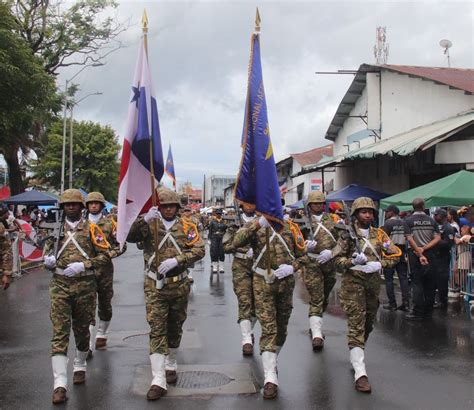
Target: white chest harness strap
[
  {"x": 367, "y": 244},
  {"x": 262, "y": 252},
  {"x": 76, "y": 244},
  {"x": 161, "y": 244},
  {"x": 320, "y": 226}
]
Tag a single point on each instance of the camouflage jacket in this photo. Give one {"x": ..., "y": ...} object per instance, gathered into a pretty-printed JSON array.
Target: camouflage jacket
[
  {"x": 228, "y": 240},
  {"x": 347, "y": 247},
  {"x": 256, "y": 238},
  {"x": 95, "y": 256},
  {"x": 6, "y": 256},
  {"x": 324, "y": 239},
  {"x": 191, "y": 246}
]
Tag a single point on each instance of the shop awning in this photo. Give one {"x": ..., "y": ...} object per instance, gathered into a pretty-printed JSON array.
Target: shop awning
[{"x": 403, "y": 144}]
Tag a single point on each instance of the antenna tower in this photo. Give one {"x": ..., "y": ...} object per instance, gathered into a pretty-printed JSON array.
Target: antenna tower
[{"x": 381, "y": 46}]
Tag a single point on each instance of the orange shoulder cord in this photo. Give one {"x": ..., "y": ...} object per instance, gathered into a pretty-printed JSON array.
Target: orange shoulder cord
[
  {"x": 386, "y": 243},
  {"x": 297, "y": 235},
  {"x": 98, "y": 237},
  {"x": 114, "y": 227},
  {"x": 188, "y": 226}
]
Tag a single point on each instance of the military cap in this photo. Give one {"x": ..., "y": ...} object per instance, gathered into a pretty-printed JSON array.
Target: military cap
[
  {"x": 95, "y": 197},
  {"x": 71, "y": 196},
  {"x": 316, "y": 197},
  {"x": 168, "y": 197}
]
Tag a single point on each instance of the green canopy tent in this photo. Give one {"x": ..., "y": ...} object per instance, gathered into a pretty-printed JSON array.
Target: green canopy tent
[{"x": 454, "y": 190}]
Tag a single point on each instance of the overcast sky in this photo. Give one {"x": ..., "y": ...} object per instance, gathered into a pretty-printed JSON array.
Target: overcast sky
[{"x": 199, "y": 52}]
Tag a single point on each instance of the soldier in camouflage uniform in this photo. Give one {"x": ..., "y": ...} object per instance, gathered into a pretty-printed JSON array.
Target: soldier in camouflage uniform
[
  {"x": 242, "y": 277},
  {"x": 365, "y": 251},
  {"x": 72, "y": 257},
  {"x": 105, "y": 228},
  {"x": 320, "y": 275},
  {"x": 178, "y": 245},
  {"x": 273, "y": 293},
  {"x": 6, "y": 256}
]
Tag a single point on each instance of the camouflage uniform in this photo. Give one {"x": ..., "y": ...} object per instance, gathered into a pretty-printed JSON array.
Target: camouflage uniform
[
  {"x": 6, "y": 256},
  {"x": 167, "y": 307},
  {"x": 359, "y": 293},
  {"x": 73, "y": 298},
  {"x": 72, "y": 293},
  {"x": 320, "y": 279},
  {"x": 242, "y": 274},
  {"x": 273, "y": 301},
  {"x": 105, "y": 274},
  {"x": 242, "y": 279}
]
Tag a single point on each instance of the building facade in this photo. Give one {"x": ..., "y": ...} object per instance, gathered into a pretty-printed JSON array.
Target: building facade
[{"x": 213, "y": 192}]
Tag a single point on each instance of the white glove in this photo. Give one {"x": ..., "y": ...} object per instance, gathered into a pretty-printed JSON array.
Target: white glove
[
  {"x": 249, "y": 253},
  {"x": 310, "y": 245},
  {"x": 167, "y": 265},
  {"x": 371, "y": 267},
  {"x": 262, "y": 221},
  {"x": 74, "y": 269},
  {"x": 50, "y": 262},
  {"x": 359, "y": 258},
  {"x": 152, "y": 214},
  {"x": 283, "y": 271},
  {"x": 324, "y": 256}
]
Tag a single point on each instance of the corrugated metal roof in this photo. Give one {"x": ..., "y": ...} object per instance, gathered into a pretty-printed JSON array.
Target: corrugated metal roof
[
  {"x": 458, "y": 78},
  {"x": 313, "y": 155},
  {"x": 403, "y": 144}
]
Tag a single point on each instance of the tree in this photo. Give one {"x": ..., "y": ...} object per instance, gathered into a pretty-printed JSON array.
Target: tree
[
  {"x": 27, "y": 96},
  {"x": 95, "y": 163},
  {"x": 54, "y": 34},
  {"x": 68, "y": 33}
]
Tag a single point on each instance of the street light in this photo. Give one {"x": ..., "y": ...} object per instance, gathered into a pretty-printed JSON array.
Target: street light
[
  {"x": 70, "y": 133},
  {"x": 63, "y": 158}
]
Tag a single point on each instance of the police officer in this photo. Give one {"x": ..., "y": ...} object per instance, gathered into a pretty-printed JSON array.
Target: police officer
[
  {"x": 395, "y": 228},
  {"x": 217, "y": 228},
  {"x": 273, "y": 291},
  {"x": 423, "y": 236},
  {"x": 443, "y": 256},
  {"x": 6, "y": 256},
  {"x": 242, "y": 276},
  {"x": 105, "y": 230},
  {"x": 167, "y": 256},
  {"x": 365, "y": 251},
  {"x": 319, "y": 275},
  {"x": 72, "y": 257}
]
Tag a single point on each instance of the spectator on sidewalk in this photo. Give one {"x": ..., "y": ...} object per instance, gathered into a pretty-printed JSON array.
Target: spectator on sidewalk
[
  {"x": 395, "y": 228},
  {"x": 453, "y": 219},
  {"x": 443, "y": 256}
]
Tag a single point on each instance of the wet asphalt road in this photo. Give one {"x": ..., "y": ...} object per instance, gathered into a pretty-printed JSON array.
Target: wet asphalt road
[{"x": 410, "y": 365}]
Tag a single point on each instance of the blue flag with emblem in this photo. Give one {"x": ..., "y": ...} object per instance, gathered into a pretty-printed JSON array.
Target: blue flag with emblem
[
  {"x": 257, "y": 181},
  {"x": 170, "y": 167}
]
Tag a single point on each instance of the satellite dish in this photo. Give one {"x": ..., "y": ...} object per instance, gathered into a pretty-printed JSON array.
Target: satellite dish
[{"x": 445, "y": 43}]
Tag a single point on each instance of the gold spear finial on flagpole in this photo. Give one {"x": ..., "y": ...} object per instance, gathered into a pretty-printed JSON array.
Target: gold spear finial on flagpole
[
  {"x": 145, "y": 30},
  {"x": 257, "y": 22}
]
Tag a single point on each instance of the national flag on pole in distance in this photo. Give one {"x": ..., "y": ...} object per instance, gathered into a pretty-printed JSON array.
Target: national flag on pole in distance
[
  {"x": 142, "y": 130},
  {"x": 257, "y": 181},
  {"x": 169, "y": 169}
]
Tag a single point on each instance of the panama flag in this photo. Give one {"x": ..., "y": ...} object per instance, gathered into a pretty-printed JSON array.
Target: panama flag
[
  {"x": 170, "y": 167},
  {"x": 142, "y": 130}
]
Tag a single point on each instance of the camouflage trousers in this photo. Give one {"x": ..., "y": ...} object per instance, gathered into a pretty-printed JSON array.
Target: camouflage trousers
[
  {"x": 243, "y": 288},
  {"x": 166, "y": 311},
  {"x": 359, "y": 296},
  {"x": 105, "y": 292},
  {"x": 273, "y": 306},
  {"x": 72, "y": 302},
  {"x": 319, "y": 281}
]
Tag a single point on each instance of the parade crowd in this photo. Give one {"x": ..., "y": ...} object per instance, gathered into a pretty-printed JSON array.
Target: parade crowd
[{"x": 314, "y": 245}]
